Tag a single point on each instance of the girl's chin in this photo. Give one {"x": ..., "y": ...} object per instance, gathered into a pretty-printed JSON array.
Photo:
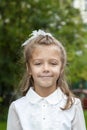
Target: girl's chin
[{"x": 46, "y": 86}]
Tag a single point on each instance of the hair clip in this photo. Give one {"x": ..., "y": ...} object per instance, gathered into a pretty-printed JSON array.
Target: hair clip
[{"x": 35, "y": 34}]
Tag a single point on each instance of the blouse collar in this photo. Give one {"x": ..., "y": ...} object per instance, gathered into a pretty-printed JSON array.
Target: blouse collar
[{"x": 53, "y": 98}]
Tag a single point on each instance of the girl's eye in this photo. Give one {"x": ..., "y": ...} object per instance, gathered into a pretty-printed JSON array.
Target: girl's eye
[
  {"x": 37, "y": 63},
  {"x": 54, "y": 63}
]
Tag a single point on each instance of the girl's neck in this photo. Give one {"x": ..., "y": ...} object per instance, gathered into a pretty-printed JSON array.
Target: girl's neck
[{"x": 44, "y": 92}]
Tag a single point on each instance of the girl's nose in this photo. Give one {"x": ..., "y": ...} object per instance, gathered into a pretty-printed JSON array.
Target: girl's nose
[{"x": 46, "y": 67}]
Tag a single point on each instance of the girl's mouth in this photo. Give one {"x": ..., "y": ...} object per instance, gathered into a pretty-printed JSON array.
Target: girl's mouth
[{"x": 46, "y": 76}]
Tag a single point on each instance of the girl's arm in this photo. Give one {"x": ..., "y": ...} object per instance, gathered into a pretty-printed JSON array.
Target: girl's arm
[
  {"x": 79, "y": 122},
  {"x": 13, "y": 122}
]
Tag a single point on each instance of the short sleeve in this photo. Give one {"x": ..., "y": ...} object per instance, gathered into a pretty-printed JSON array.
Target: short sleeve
[
  {"x": 78, "y": 122},
  {"x": 13, "y": 122}
]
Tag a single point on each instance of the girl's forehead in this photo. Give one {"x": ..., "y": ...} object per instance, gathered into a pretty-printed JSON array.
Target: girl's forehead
[{"x": 46, "y": 51}]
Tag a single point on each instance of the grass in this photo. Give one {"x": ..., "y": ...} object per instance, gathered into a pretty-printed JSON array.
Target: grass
[
  {"x": 3, "y": 123},
  {"x": 85, "y": 113}
]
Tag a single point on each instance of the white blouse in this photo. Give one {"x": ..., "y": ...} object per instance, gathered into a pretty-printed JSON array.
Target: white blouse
[{"x": 33, "y": 112}]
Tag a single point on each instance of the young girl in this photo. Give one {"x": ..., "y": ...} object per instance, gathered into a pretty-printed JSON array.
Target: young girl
[{"x": 47, "y": 102}]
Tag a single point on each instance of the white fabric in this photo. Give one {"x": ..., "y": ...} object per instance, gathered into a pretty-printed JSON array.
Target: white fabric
[
  {"x": 35, "y": 34},
  {"x": 33, "y": 112}
]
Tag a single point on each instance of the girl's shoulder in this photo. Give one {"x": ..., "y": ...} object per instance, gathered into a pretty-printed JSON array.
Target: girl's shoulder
[
  {"x": 77, "y": 102},
  {"x": 18, "y": 103}
]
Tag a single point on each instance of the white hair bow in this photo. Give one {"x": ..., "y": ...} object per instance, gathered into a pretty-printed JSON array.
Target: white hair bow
[{"x": 35, "y": 34}]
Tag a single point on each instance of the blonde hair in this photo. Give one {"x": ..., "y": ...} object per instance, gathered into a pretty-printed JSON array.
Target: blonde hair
[{"x": 27, "y": 80}]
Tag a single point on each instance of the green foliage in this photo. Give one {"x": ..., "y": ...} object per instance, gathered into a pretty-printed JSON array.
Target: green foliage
[
  {"x": 3, "y": 113},
  {"x": 19, "y": 18}
]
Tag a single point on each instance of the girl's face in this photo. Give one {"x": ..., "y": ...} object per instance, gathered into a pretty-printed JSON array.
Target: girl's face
[{"x": 45, "y": 68}]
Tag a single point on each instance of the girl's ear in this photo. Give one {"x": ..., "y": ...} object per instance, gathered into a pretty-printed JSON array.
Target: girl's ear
[
  {"x": 28, "y": 69},
  {"x": 62, "y": 71}
]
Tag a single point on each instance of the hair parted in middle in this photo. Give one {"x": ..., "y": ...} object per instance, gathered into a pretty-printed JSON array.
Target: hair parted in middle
[{"x": 27, "y": 80}]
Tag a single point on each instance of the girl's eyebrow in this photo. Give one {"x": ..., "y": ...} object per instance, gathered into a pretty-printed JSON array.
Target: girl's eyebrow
[
  {"x": 36, "y": 59},
  {"x": 42, "y": 59}
]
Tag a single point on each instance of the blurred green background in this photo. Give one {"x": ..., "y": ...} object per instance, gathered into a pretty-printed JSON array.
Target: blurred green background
[{"x": 17, "y": 20}]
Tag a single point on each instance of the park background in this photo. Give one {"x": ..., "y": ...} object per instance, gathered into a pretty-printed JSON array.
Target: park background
[{"x": 17, "y": 20}]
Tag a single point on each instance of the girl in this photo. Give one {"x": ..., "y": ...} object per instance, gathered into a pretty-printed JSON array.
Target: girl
[{"x": 47, "y": 102}]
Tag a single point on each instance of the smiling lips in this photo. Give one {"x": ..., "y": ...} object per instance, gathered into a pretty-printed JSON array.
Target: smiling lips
[{"x": 46, "y": 76}]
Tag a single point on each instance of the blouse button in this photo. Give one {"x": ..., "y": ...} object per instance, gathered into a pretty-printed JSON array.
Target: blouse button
[
  {"x": 44, "y": 118},
  {"x": 44, "y": 105}
]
